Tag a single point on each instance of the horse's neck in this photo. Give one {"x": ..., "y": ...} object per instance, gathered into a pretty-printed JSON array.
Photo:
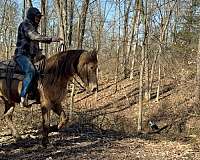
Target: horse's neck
[{"x": 61, "y": 69}]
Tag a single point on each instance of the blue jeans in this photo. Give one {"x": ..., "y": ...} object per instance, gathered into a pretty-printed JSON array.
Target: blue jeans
[{"x": 28, "y": 69}]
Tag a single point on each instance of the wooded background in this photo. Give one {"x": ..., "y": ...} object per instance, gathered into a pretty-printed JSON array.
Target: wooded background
[{"x": 158, "y": 38}]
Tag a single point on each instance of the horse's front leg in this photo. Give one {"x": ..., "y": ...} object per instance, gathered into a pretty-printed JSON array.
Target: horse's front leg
[
  {"x": 63, "y": 119},
  {"x": 45, "y": 125},
  {"x": 45, "y": 108}
]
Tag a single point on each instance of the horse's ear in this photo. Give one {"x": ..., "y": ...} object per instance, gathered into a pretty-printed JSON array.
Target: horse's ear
[
  {"x": 94, "y": 51},
  {"x": 92, "y": 55}
]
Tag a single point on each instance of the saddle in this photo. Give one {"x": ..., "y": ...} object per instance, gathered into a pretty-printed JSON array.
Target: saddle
[{"x": 9, "y": 70}]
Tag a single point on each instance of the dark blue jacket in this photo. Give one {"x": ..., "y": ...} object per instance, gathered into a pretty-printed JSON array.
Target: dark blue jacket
[{"x": 28, "y": 37}]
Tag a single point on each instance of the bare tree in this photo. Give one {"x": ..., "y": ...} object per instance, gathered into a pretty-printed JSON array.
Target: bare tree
[
  {"x": 8, "y": 26},
  {"x": 98, "y": 20},
  {"x": 82, "y": 21},
  {"x": 59, "y": 8},
  {"x": 44, "y": 21},
  {"x": 163, "y": 27},
  {"x": 27, "y": 5},
  {"x": 118, "y": 45},
  {"x": 143, "y": 62},
  {"x": 134, "y": 35},
  {"x": 127, "y": 6},
  {"x": 197, "y": 95},
  {"x": 71, "y": 19}
]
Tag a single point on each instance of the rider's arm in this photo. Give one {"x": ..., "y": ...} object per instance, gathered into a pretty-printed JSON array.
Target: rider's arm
[{"x": 35, "y": 36}]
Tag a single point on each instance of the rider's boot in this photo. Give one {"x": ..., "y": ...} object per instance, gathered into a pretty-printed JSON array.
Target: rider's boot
[{"x": 23, "y": 102}]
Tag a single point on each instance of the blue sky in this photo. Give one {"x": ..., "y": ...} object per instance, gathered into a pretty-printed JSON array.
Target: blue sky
[{"x": 35, "y": 3}]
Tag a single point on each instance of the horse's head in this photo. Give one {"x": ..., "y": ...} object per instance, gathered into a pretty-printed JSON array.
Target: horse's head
[{"x": 87, "y": 69}]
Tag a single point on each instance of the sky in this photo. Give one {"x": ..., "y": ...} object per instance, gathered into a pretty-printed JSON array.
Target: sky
[{"x": 36, "y": 3}]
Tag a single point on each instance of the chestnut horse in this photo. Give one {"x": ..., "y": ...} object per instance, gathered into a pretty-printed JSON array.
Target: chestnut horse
[{"x": 52, "y": 86}]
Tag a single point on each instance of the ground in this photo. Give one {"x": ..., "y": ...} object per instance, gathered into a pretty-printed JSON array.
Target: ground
[{"x": 105, "y": 127}]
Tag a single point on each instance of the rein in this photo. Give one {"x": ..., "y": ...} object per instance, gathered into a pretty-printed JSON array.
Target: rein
[{"x": 82, "y": 87}]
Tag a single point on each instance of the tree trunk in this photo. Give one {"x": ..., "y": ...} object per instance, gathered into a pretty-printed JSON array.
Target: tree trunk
[
  {"x": 141, "y": 88},
  {"x": 82, "y": 21},
  {"x": 125, "y": 38},
  {"x": 44, "y": 22},
  {"x": 159, "y": 76},
  {"x": 152, "y": 74},
  {"x": 163, "y": 27},
  {"x": 27, "y": 5},
  {"x": 135, "y": 33},
  {"x": 146, "y": 54},
  {"x": 71, "y": 100},
  {"x": 65, "y": 19},
  {"x": 143, "y": 63},
  {"x": 71, "y": 19},
  {"x": 197, "y": 95},
  {"x": 59, "y": 9},
  {"x": 3, "y": 15},
  {"x": 118, "y": 48}
]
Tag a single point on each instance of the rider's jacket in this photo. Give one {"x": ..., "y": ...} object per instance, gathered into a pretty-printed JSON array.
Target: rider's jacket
[{"x": 28, "y": 36}]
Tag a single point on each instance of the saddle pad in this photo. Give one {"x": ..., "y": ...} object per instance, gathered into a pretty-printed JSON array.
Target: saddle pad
[
  {"x": 7, "y": 63},
  {"x": 3, "y": 75}
]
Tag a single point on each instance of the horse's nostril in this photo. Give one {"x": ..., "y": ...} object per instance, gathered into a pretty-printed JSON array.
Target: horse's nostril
[{"x": 94, "y": 89}]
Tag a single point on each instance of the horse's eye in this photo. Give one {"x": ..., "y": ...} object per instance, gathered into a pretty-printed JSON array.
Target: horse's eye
[{"x": 91, "y": 67}]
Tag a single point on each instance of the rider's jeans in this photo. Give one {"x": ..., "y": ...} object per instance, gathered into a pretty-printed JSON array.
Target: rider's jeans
[{"x": 27, "y": 67}]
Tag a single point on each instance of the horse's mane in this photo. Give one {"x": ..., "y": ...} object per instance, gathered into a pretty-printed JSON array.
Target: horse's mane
[
  {"x": 64, "y": 64},
  {"x": 60, "y": 64}
]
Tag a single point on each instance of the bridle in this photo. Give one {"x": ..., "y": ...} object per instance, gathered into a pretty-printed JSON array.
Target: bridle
[{"x": 87, "y": 79}]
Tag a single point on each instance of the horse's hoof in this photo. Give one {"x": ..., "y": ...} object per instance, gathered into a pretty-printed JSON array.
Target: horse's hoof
[
  {"x": 18, "y": 139},
  {"x": 60, "y": 126},
  {"x": 45, "y": 142}
]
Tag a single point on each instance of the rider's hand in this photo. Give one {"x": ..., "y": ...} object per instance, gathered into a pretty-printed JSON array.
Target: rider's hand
[
  {"x": 42, "y": 56},
  {"x": 56, "y": 39}
]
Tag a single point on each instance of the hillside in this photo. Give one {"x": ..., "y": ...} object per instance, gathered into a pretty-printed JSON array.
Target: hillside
[{"x": 107, "y": 128}]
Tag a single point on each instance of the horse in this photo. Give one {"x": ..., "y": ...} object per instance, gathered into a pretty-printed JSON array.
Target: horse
[{"x": 57, "y": 72}]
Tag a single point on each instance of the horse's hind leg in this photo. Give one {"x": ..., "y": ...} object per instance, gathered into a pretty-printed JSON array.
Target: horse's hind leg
[
  {"x": 45, "y": 125},
  {"x": 8, "y": 117},
  {"x": 57, "y": 108}
]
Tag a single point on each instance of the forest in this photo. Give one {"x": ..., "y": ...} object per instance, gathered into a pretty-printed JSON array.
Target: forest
[{"x": 148, "y": 76}]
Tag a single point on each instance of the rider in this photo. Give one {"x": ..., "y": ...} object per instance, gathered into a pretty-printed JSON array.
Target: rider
[{"x": 27, "y": 48}]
